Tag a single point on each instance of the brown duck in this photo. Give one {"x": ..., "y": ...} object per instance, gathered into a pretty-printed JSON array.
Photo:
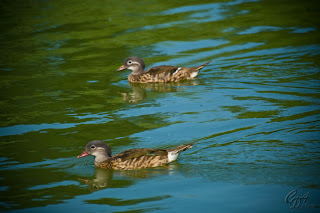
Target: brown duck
[
  {"x": 160, "y": 74},
  {"x": 132, "y": 158}
]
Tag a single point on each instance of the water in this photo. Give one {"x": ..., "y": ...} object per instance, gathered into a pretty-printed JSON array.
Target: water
[{"x": 253, "y": 112}]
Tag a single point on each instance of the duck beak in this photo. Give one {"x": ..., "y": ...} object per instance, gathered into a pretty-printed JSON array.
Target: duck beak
[
  {"x": 84, "y": 153},
  {"x": 121, "y": 68}
]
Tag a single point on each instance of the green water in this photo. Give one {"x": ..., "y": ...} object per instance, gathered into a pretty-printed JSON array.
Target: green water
[{"x": 253, "y": 112}]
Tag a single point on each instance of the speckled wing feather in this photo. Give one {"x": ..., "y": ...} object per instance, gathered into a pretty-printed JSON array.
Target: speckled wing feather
[
  {"x": 139, "y": 158},
  {"x": 159, "y": 74},
  {"x": 161, "y": 69},
  {"x": 136, "y": 153}
]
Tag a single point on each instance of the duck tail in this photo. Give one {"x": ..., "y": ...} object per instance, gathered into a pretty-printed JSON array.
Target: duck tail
[
  {"x": 201, "y": 66},
  {"x": 180, "y": 148}
]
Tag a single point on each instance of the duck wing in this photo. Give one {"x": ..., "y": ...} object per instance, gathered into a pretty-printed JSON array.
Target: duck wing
[
  {"x": 162, "y": 69},
  {"x": 139, "y": 158},
  {"x": 137, "y": 153}
]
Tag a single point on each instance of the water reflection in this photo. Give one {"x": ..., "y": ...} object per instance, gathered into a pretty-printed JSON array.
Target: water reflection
[
  {"x": 103, "y": 179},
  {"x": 139, "y": 93},
  {"x": 136, "y": 96},
  {"x": 108, "y": 178}
]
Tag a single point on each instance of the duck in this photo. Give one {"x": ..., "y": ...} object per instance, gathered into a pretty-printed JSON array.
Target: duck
[
  {"x": 131, "y": 159},
  {"x": 159, "y": 74}
]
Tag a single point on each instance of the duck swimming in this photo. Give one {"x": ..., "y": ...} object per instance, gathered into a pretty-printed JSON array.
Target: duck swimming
[
  {"x": 131, "y": 159},
  {"x": 159, "y": 74}
]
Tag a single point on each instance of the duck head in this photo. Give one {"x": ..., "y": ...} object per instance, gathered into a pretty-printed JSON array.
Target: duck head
[
  {"x": 97, "y": 148},
  {"x": 133, "y": 63}
]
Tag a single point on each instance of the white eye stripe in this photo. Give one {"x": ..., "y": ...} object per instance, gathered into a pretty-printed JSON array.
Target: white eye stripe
[{"x": 100, "y": 148}]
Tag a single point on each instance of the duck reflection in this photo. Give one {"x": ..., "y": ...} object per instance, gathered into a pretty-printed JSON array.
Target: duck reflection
[
  {"x": 148, "y": 172},
  {"x": 138, "y": 93},
  {"x": 103, "y": 177}
]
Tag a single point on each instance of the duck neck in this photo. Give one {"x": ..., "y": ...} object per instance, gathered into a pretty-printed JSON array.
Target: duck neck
[
  {"x": 137, "y": 70},
  {"x": 101, "y": 156}
]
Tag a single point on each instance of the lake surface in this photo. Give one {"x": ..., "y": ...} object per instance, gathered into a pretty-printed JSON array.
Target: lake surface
[{"x": 253, "y": 112}]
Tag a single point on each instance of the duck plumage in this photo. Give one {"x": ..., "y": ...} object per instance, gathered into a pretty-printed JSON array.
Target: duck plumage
[
  {"x": 159, "y": 74},
  {"x": 133, "y": 158}
]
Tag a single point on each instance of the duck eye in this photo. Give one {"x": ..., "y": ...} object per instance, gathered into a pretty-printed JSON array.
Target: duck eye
[
  {"x": 92, "y": 147},
  {"x": 129, "y": 62}
]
